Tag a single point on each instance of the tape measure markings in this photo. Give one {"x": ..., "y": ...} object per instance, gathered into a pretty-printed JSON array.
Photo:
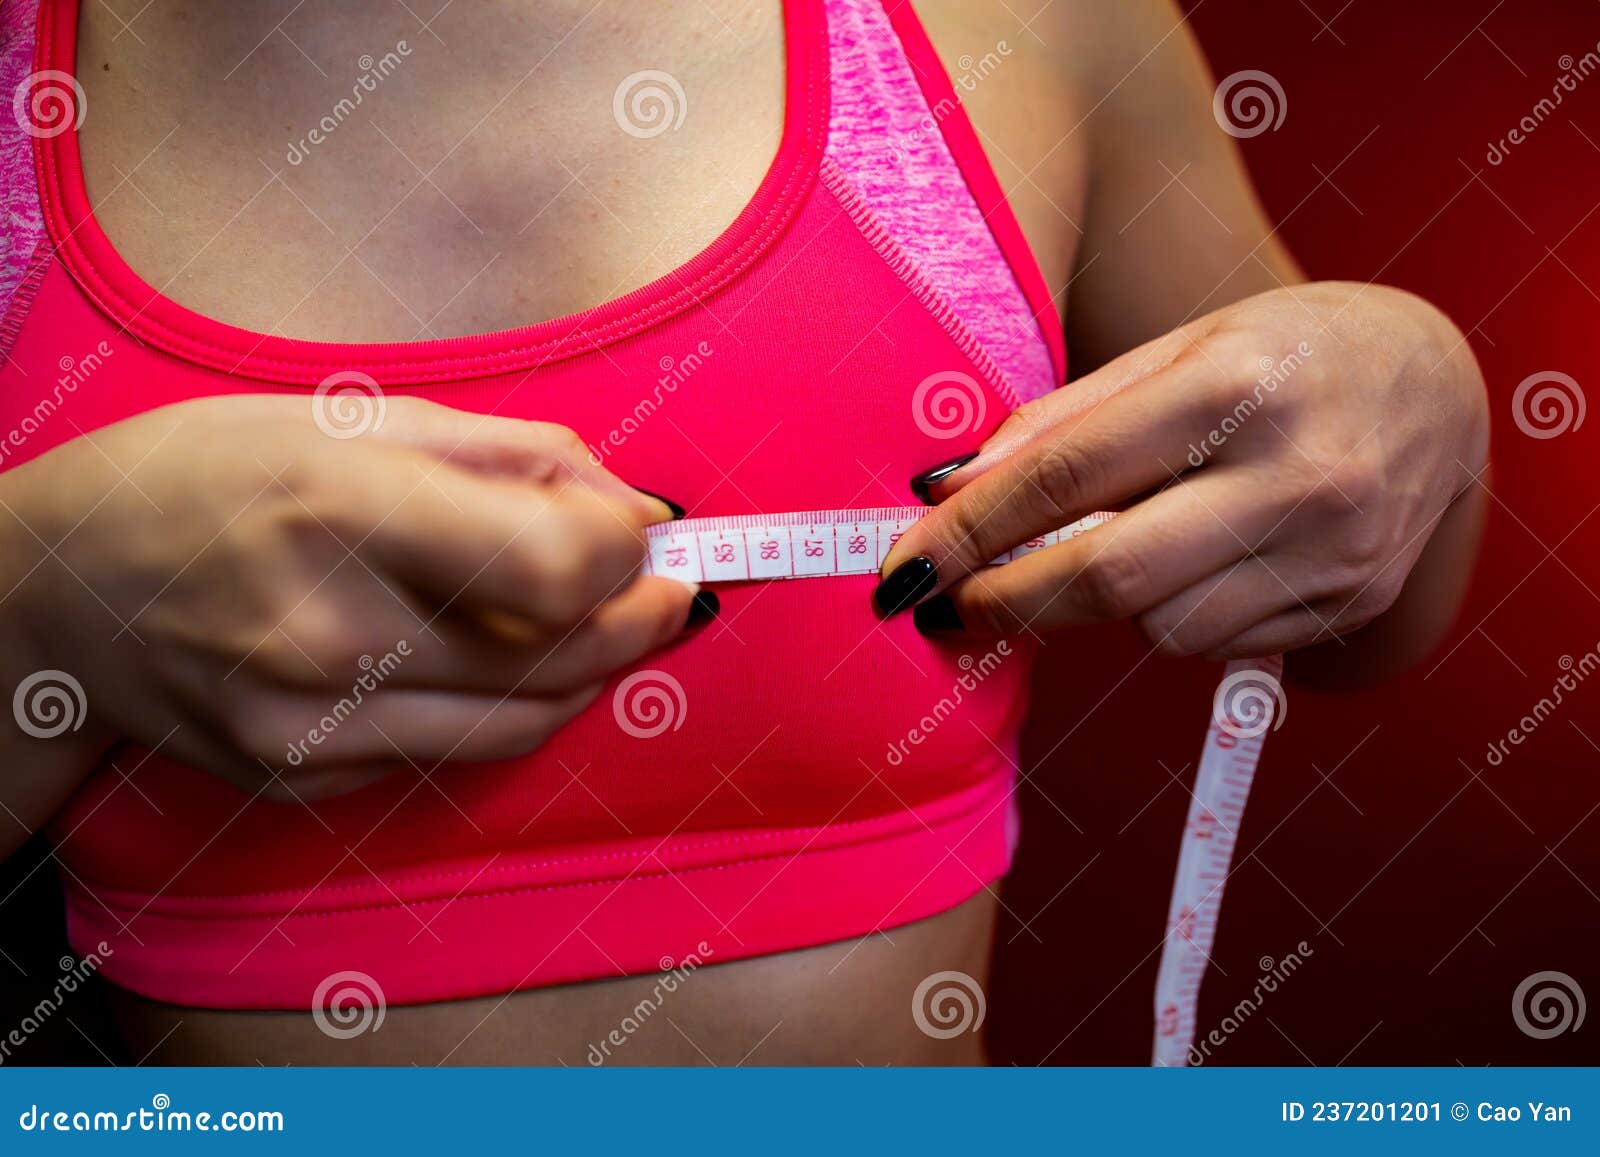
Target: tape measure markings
[
  {"x": 803, "y": 544},
  {"x": 825, "y": 543},
  {"x": 1228, "y": 763}
]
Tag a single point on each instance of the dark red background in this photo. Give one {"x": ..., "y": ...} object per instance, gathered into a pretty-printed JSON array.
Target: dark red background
[{"x": 1427, "y": 906}]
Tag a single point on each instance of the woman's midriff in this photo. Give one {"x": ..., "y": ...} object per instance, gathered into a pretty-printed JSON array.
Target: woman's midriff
[{"x": 845, "y": 1003}]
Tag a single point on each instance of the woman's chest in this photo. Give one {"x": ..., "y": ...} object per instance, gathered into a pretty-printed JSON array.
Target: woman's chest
[
  {"x": 522, "y": 172},
  {"x": 364, "y": 180}
]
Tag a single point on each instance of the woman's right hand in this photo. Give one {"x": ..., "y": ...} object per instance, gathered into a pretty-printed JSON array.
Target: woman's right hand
[{"x": 219, "y": 575}]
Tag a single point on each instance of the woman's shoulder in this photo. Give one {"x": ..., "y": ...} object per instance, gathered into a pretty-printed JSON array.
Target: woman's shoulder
[
  {"x": 1027, "y": 101},
  {"x": 1072, "y": 67},
  {"x": 1070, "y": 88}
]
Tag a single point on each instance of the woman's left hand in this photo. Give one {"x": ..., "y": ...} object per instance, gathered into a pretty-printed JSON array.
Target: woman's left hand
[{"x": 1281, "y": 465}]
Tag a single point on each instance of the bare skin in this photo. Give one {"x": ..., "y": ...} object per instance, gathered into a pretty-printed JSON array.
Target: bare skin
[
  {"x": 544, "y": 209},
  {"x": 821, "y": 1005},
  {"x": 838, "y": 1004}
]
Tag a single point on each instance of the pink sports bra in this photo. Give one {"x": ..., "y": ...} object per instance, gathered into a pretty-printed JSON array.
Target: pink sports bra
[{"x": 788, "y": 803}]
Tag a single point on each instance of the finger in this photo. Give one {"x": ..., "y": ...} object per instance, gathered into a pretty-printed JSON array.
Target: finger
[
  {"x": 1149, "y": 554},
  {"x": 548, "y": 556},
  {"x": 1286, "y": 631},
  {"x": 1131, "y": 444},
  {"x": 1066, "y": 407},
  {"x": 1228, "y": 603},
  {"x": 305, "y": 732},
  {"x": 517, "y": 658},
  {"x": 511, "y": 449}
]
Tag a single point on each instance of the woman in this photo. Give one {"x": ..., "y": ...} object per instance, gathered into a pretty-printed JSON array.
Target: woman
[{"x": 347, "y": 350}]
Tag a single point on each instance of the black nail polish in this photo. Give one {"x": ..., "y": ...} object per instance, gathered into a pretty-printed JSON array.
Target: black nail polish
[
  {"x": 906, "y": 585},
  {"x": 937, "y": 616},
  {"x": 702, "y": 610},
  {"x": 677, "y": 511},
  {"x": 922, "y": 483}
]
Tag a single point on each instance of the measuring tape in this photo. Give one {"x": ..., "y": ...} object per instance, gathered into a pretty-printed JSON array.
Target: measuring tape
[
  {"x": 826, "y": 543},
  {"x": 810, "y": 544}
]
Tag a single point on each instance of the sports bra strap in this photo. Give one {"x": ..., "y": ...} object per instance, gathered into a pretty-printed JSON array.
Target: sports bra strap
[{"x": 39, "y": 101}]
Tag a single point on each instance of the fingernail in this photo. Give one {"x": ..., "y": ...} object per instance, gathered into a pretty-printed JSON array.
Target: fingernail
[
  {"x": 702, "y": 610},
  {"x": 677, "y": 511},
  {"x": 906, "y": 584},
  {"x": 924, "y": 482},
  {"x": 937, "y": 616}
]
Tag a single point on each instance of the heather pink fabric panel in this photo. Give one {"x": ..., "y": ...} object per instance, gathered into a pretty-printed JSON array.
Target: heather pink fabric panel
[
  {"x": 23, "y": 225},
  {"x": 884, "y": 139}
]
